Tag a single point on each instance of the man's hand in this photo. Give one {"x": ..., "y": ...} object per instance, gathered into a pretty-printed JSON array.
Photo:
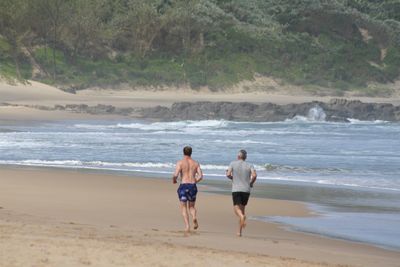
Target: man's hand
[
  {"x": 229, "y": 174},
  {"x": 199, "y": 174},
  {"x": 253, "y": 177},
  {"x": 177, "y": 172}
]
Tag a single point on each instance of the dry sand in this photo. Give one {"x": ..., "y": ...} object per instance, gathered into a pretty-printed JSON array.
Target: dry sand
[
  {"x": 37, "y": 93},
  {"x": 72, "y": 218}
]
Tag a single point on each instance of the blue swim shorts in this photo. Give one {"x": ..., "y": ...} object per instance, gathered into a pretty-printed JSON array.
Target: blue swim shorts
[{"x": 187, "y": 192}]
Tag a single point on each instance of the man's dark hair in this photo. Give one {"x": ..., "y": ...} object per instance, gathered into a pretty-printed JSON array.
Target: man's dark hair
[
  {"x": 243, "y": 154},
  {"x": 187, "y": 151}
]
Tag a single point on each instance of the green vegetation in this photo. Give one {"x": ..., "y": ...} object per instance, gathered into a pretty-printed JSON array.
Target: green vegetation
[{"x": 341, "y": 44}]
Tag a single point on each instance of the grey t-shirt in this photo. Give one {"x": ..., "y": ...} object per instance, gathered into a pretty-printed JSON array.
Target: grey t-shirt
[{"x": 241, "y": 171}]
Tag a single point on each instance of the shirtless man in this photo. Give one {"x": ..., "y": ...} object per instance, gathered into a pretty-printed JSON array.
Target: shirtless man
[{"x": 191, "y": 174}]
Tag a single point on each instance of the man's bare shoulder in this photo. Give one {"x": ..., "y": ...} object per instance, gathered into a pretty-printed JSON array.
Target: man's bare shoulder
[{"x": 195, "y": 162}]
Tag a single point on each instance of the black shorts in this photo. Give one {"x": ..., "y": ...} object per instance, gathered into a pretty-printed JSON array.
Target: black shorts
[{"x": 240, "y": 198}]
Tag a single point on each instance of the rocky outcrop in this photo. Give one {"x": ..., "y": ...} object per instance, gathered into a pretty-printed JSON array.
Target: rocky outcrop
[
  {"x": 99, "y": 109},
  {"x": 335, "y": 110},
  {"x": 339, "y": 110},
  {"x": 342, "y": 108}
]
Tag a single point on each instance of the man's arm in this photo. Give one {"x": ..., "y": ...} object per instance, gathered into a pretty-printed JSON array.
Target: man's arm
[
  {"x": 178, "y": 170},
  {"x": 199, "y": 174},
  {"x": 253, "y": 177},
  {"x": 229, "y": 172}
]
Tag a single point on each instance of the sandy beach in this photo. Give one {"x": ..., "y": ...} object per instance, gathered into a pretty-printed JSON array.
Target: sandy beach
[{"x": 60, "y": 217}]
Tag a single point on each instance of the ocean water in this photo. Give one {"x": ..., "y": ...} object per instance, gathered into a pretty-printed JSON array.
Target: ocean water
[
  {"x": 305, "y": 151},
  {"x": 378, "y": 229}
]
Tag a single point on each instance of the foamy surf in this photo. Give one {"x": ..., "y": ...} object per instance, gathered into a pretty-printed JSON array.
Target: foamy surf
[
  {"x": 343, "y": 154},
  {"x": 157, "y": 126},
  {"x": 267, "y": 172}
]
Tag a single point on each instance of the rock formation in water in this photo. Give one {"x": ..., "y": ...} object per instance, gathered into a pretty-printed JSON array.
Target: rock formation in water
[{"x": 336, "y": 110}]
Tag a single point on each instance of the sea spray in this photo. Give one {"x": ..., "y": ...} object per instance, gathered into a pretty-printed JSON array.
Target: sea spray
[{"x": 316, "y": 114}]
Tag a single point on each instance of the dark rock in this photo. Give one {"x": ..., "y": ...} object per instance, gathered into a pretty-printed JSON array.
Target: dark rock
[
  {"x": 59, "y": 107},
  {"x": 337, "y": 110},
  {"x": 70, "y": 90}
]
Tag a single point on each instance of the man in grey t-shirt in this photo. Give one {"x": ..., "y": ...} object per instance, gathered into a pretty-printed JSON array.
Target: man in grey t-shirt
[{"x": 243, "y": 176}]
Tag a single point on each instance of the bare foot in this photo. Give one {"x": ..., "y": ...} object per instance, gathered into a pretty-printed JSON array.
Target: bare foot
[
  {"x": 186, "y": 232},
  {"x": 243, "y": 222},
  {"x": 195, "y": 224},
  {"x": 239, "y": 234}
]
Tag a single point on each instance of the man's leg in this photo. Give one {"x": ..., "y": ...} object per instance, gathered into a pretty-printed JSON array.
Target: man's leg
[
  {"x": 239, "y": 211},
  {"x": 242, "y": 206},
  {"x": 243, "y": 222},
  {"x": 185, "y": 215},
  {"x": 193, "y": 212}
]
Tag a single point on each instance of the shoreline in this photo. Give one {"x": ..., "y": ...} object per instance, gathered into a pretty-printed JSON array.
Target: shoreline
[
  {"x": 61, "y": 181},
  {"x": 212, "y": 177}
]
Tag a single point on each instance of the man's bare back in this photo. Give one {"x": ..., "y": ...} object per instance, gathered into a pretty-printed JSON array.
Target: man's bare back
[{"x": 189, "y": 170}]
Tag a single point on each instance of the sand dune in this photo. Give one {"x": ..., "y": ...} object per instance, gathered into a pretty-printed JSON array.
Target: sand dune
[{"x": 36, "y": 93}]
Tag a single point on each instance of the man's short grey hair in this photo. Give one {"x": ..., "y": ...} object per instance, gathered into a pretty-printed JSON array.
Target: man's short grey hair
[{"x": 242, "y": 154}]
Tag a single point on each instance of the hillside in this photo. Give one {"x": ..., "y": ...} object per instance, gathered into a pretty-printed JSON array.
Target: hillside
[{"x": 75, "y": 44}]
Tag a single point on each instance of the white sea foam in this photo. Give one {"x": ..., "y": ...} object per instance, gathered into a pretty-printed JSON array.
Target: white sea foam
[
  {"x": 110, "y": 165},
  {"x": 23, "y": 144},
  {"x": 211, "y": 170},
  {"x": 78, "y": 163},
  {"x": 159, "y": 126},
  {"x": 228, "y": 141},
  {"x": 356, "y": 121},
  {"x": 315, "y": 114}
]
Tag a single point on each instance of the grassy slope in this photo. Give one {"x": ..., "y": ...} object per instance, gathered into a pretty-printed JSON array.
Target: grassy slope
[{"x": 316, "y": 46}]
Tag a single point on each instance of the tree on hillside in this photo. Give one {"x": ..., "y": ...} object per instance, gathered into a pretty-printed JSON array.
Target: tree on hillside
[
  {"x": 139, "y": 25},
  {"x": 13, "y": 27},
  {"x": 56, "y": 12},
  {"x": 191, "y": 20},
  {"x": 84, "y": 31}
]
